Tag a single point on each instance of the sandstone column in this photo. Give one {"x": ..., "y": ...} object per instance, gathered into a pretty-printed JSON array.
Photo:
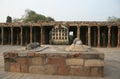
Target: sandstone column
[
  {"x": 95, "y": 39},
  {"x": 108, "y": 36},
  {"x": 118, "y": 37},
  {"x": 21, "y": 35},
  {"x": 2, "y": 35},
  {"x": 98, "y": 36},
  {"x": 30, "y": 34},
  {"x": 89, "y": 36},
  {"x": 11, "y": 35},
  {"x": 78, "y": 32},
  {"x": 41, "y": 34}
]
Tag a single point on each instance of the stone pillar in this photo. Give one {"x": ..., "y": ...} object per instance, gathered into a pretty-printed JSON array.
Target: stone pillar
[
  {"x": 41, "y": 34},
  {"x": 95, "y": 39},
  {"x": 2, "y": 35},
  {"x": 21, "y": 35},
  {"x": 98, "y": 36},
  {"x": 30, "y": 34},
  {"x": 118, "y": 45},
  {"x": 108, "y": 45},
  {"x": 78, "y": 32},
  {"x": 89, "y": 36},
  {"x": 11, "y": 35}
]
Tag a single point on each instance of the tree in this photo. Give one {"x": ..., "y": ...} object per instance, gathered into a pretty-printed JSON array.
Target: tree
[
  {"x": 50, "y": 19},
  {"x": 113, "y": 18},
  {"x": 9, "y": 19},
  {"x": 32, "y": 16},
  {"x": 17, "y": 20}
]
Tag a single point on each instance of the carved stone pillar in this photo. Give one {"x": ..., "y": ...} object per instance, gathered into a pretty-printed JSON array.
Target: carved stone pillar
[
  {"x": 41, "y": 34},
  {"x": 78, "y": 32},
  {"x": 89, "y": 36},
  {"x": 30, "y": 34},
  {"x": 21, "y": 35},
  {"x": 11, "y": 35},
  {"x": 118, "y": 45},
  {"x": 108, "y": 36},
  {"x": 98, "y": 36},
  {"x": 2, "y": 35}
]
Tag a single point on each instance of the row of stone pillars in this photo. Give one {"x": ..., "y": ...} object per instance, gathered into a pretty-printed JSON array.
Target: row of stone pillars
[
  {"x": 42, "y": 37},
  {"x": 98, "y": 35},
  {"x": 21, "y": 35}
]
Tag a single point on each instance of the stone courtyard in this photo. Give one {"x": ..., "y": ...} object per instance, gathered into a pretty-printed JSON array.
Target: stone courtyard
[{"x": 111, "y": 68}]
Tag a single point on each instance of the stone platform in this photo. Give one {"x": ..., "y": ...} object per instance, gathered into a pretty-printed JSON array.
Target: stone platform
[{"x": 55, "y": 61}]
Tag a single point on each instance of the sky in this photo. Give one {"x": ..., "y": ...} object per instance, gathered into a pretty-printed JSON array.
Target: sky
[{"x": 62, "y": 10}]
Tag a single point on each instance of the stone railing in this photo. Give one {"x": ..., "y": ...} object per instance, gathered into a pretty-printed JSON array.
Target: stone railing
[{"x": 80, "y": 64}]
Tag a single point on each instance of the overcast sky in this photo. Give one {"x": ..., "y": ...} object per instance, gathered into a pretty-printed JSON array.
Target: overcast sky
[{"x": 62, "y": 10}]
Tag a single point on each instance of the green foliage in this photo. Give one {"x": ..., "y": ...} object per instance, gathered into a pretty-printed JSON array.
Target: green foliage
[
  {"x": 32, "y": 16},
  {"x": 17, "y": 20},
  {"x": 113, "y": 18},
  {"x": 9, "y": 19},
  {"x": 50, "y": 19}
]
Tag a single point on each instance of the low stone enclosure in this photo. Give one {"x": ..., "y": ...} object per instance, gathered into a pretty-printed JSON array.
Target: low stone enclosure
[{"x": 55, "y": 63}]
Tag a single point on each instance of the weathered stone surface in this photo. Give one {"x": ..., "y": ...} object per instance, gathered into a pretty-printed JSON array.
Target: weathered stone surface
[
  {"x": 75, "y": 66},
  {"x": 37, "y": 61},
  {"x": 15, "y": 67},
  {"x": 80, "y": 71},
  {"x": 94, "y": 62},
  {"x": 22, "y": 54},
  {"x": 97, "y": 71},
  {"x": 58, "y": 60},
  {"x": 22, "y": 60},
  {"x": 10, "y": 54},
  {"x": 37, "y": 69},
  {"x": 31, "y": 54},
  {"x": 7, "y": 66},
  {"x": 32, "y": 45},
  {"x": 24, "y": 68},
  {"x": 50, "y": 69},
  {"x": 101, "y": 56},
  {"x": 74, "y": 61},
  {"x": 63, "y": 70},
  {"x": 80, "y": 64},
  {"x": 76, "y": 46},
  {"x": 39, "y": 55}
]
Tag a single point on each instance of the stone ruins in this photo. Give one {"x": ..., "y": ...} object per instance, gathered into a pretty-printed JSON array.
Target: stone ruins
[{"x": 91, "y": 33}]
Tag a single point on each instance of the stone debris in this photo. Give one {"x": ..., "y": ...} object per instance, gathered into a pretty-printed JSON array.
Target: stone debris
[
  {"x": 32, "y": 46},
  {"x": 76, "y": 46}
]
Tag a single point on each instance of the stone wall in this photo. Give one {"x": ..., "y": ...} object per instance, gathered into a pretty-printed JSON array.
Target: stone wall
[{"x": 76, "y": 64}]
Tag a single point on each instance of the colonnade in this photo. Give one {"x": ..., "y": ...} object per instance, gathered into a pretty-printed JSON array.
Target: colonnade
[{"x": 96, "y": 36}]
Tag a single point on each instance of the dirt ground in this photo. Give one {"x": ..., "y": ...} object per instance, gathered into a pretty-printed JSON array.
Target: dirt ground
[{"x": 111, "y": 69}]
